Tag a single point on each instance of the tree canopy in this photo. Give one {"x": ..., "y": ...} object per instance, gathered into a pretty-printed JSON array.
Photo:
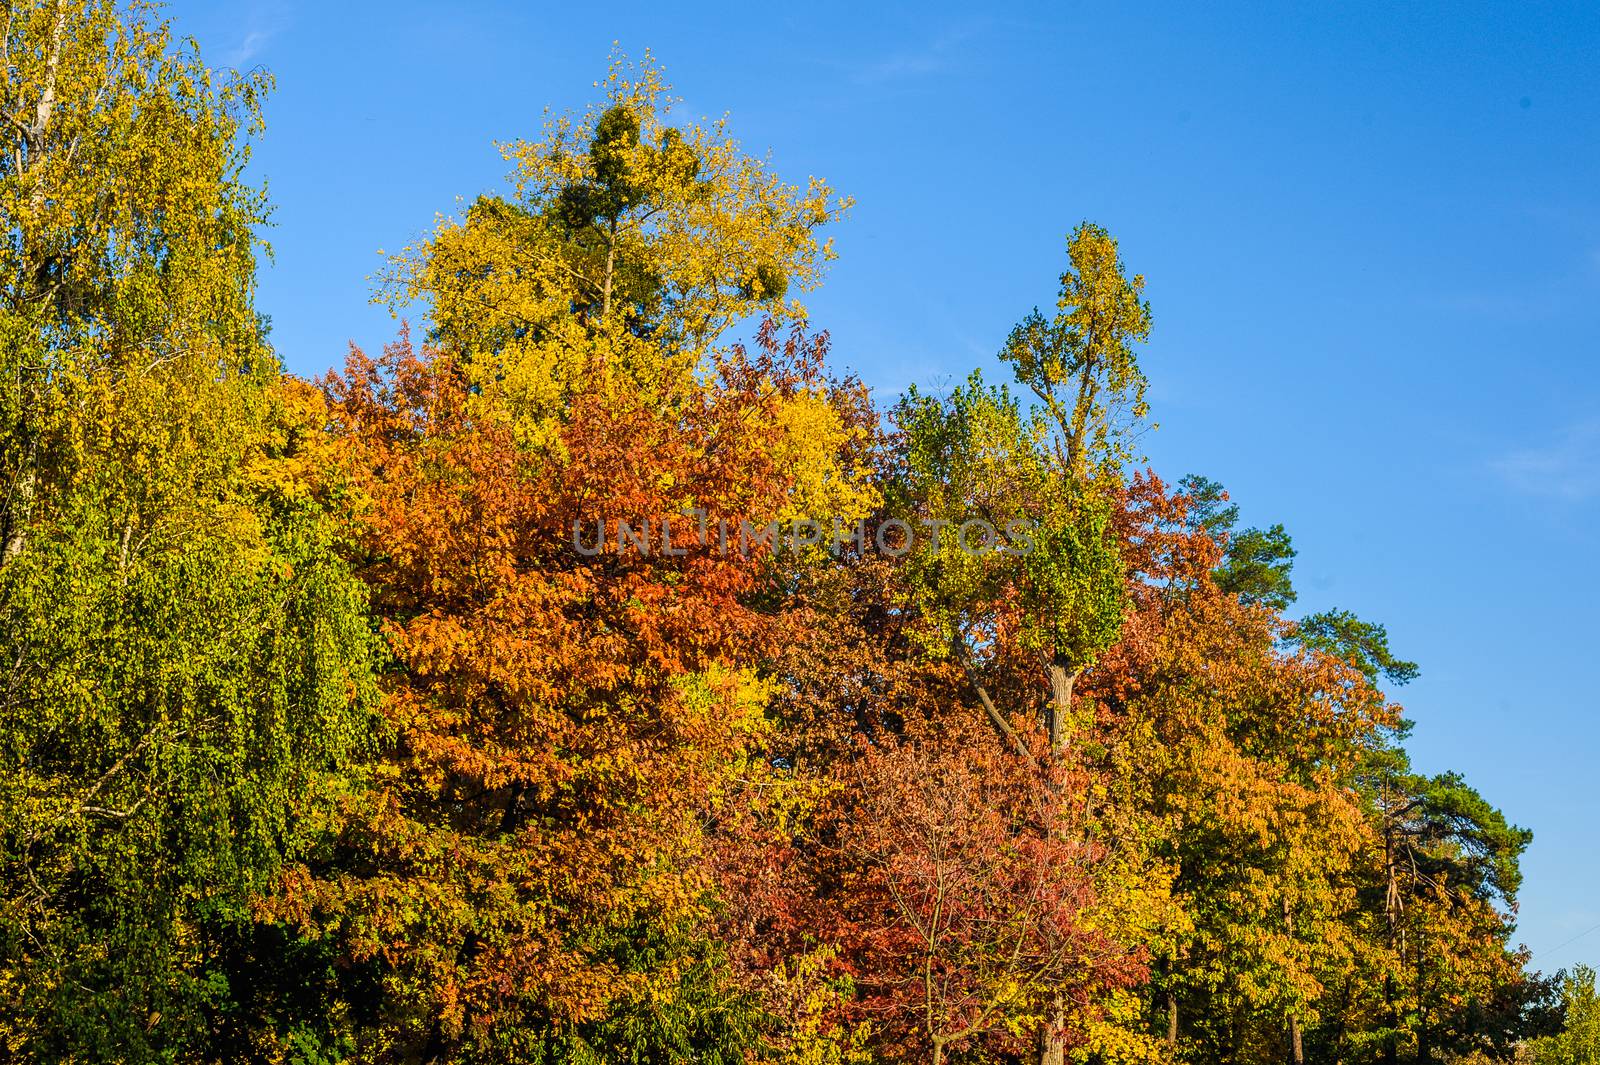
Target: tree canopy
[{"x": 600, "y": 674}]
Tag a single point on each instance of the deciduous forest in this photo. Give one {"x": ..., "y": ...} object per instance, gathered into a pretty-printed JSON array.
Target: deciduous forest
[{"x": 423, "y": 713}]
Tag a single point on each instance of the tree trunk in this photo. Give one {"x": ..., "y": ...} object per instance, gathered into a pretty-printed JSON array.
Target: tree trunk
[
  {"x": 1062, "y": 679},
  {"x": 1052, "y": 1035},
  {"x": 1341, "y": 1033},
  {"x": 1424, "y": 1042},
  {"x": 34, "y": 137},
  {"x": 1172, "y": 1021},
  {"x": 611, "y": 270},
  {"x": 511, "y": 818},
  {"x": 1296, "y": 1050},
  {"x": 1391, "y": 1050},
  {"x": 1052, "y": 1038},
  {"x": 17, "y": 513}
]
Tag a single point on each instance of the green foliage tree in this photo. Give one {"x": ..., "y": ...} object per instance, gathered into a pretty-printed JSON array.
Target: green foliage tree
[
  {"x": 1047, "y": 584},
  {"x": 187, "y": 662},
  {"x": 1054, "y": 599},
  {"x": 1578, "y": 1043},
  {"x": 1256, "y": 563},
  {"x": 1256, "y": 567},
  {"x": 1362, "y": 643}
]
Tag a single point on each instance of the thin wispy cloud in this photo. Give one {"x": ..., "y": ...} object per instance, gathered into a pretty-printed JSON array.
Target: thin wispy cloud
[
  {"x": 1567, "y": 469},
  {"x": 263, "y": 20},
  {"x": 933, "y": 57}
]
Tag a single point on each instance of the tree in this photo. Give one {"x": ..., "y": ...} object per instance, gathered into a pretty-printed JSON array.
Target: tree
[
  {"x": 1256, "y": 563},
  {"x": 187, "y": 661},
  {"x": 1578, "y": 1043},
  {"x": 1082, "y": 368},
  {"x": 1081, "y": 364},
  {"x": 1448, "y": 874},
  {"x": 970, "y": 892},
  {"x": 1237, "y": 751},
  {"x": 128, "y": 250},
  {"x": 1049, "y": 600},
  {"x": 977, "y": 456},
  {"x": 569, "y": 702},
  {"x": 1257, "y": 567},
  {"x": 1039, "y": 578},
  {"x": 1363, "y": 643},
  {"x": 622, "y": 224}
]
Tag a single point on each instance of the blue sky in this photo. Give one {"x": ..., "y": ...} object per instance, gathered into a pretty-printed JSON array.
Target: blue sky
[{"x": 1371, "y": 233}]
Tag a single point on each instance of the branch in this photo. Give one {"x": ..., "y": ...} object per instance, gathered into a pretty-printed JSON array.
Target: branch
[
  {"x": 47, "y": 97},
  {"x": 958, "y": 647}
]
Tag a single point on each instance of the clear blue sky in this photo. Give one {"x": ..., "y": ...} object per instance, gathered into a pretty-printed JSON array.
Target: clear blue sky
[{"x": 1371, "y": 232}]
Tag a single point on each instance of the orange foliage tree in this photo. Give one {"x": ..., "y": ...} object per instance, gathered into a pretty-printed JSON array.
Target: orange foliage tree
[{"x": 562, "y": 716}]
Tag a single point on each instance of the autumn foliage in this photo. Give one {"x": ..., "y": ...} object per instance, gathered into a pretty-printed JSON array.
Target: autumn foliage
[{"x": 463, "y": 705}]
